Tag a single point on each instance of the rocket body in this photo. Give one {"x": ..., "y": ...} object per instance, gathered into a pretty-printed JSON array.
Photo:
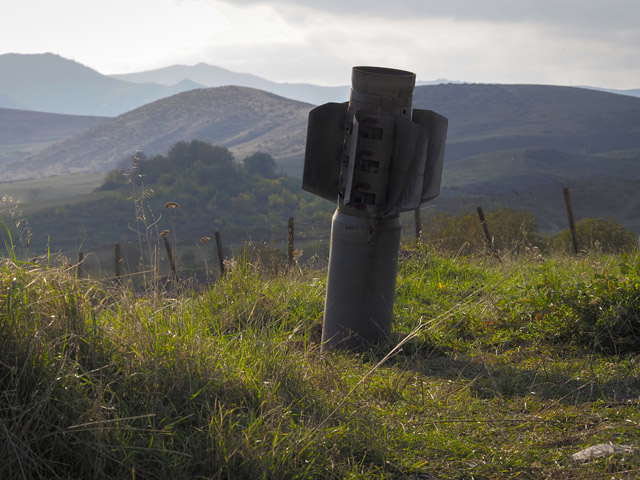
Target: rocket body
[{"x": 376, "y": 157}]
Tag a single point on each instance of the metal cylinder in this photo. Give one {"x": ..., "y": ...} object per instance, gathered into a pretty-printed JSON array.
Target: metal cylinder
[
  {"x": 381, "y": 91},
  {"x": 363, "y": 258},
  {"x": 363, "y": 263},
  {"x": 378, "y": 157}
]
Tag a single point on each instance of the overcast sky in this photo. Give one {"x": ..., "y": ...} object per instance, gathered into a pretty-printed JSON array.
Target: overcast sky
[{"x": 562, "y": 42}]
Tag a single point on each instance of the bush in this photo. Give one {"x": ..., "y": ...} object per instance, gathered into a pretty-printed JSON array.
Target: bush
[
  {"x": 598, "y": 310},
  {"x": 596, "y": 234},
  {"x": 512, "y": 231},
  {"x": 261, "y": 164}
]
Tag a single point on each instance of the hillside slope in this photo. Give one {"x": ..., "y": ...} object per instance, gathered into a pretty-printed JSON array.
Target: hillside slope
[
  {"x": 488, "y": 118},
  {"x": 525, "y": 168},
  {"x": 482, "y": 119},
  {"x": 24, "y": 132},
  {"x": 602, "y": 185},
  {"x": 23, "y": 126},
  {"x": 238, "y": 117}
]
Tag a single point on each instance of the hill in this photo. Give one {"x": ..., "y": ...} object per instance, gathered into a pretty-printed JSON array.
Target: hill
[
  {"x": 525, "y": 168},
  {"x": 489, "y": 118},
  {"x": 634, "y": 92},
  {"x": 213, "y": 76},
  {"x": 508, "y": 145},
  {"x": 20, "y": 126},
  {"x": 243, "y": 119},
  {"x": 23, "y": 132},
  {"x": 482, "y": 119},
  {"x": 50, "y": 83}
]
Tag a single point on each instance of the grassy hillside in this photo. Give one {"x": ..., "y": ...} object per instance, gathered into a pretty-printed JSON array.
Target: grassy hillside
[
  {"x": 494, "y": 370},
  {"x": 519, "y": 169},
  {"x": 22, "y": 126},
  {"x": 24, "y": 132},
  {"x": 36, "y": 191},
  {"x": 482, "y": 119},
  {"x": 227, "y": 116},
  {"x": 508, "y": 145},
  {"x": 488, "y": 118},
  {"x": 14, "y": 153}
]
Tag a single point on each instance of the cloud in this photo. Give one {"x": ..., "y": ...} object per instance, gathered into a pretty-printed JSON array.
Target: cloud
[
  {"x": 595, "y": 42},
  {"x": 596, "y": 14},
  {"x": 283, "y": 62},
  {"x": 547, "y": 41},
  {"x": 475, "y": 48}
]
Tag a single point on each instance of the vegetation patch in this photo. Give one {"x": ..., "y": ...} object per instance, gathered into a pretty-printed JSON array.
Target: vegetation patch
[
  {"x": 495, "y": 369},
  {"x": 213, "y": 191}
]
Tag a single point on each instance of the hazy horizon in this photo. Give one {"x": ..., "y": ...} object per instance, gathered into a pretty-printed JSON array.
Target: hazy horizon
[{"x": 570, "y": 43}]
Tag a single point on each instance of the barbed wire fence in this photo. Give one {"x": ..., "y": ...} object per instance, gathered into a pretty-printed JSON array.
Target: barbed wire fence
[{"x": 204, "y": 258}]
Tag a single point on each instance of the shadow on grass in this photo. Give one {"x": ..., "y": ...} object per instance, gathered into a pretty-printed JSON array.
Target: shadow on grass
[{"x": 566, "y": 379}]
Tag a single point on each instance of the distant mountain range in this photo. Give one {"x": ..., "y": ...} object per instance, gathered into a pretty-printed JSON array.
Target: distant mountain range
[
  {"x": 50, "y": 83},
  {"x": 211, "y": 76},
  {"x": 244, "y": 119},
  {"x": 483, "y": 119},
  {"x": 634, "y": 92},
  {"x": 505, "y": 141},
  {"x": 486, "y": 118}
]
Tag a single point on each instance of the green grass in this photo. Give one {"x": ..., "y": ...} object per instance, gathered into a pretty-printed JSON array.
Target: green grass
[{"x": 494, "y": 370}]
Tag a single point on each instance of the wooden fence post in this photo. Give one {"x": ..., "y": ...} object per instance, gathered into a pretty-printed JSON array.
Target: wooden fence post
[
  {"x": 171, "y": 259},
  {"x": 118, "y": 260},
  {"x": 79, "y": 269},
  {"x": 485, "y": 228},
  {"x": 220, "y": 253},
  {"x": 572, "y": 225},
  {"x": 290, "y": 250}
]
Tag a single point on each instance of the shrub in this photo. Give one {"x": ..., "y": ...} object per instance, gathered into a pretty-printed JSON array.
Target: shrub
[
  {"x": 598, "y": 310},
  {"x": 599, "y": 235},
  {"x": 512, "y": 231},
  {"x": 261, "y": 164}
]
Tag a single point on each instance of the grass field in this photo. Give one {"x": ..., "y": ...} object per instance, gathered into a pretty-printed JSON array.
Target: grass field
[
  {"x": 38, "y": 190},
  {"x": 7, "y": 149},
  {"x": 14, "y": 152},
  {"x": 494, "y": 370}
]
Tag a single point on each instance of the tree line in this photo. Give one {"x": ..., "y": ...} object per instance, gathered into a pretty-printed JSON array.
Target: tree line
[
  {"x": 209, "y": 191},
  {"x": 198, "y": 188}
]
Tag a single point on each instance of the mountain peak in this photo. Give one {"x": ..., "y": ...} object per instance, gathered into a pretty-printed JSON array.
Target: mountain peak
[{"x": 47, "y": 82}]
